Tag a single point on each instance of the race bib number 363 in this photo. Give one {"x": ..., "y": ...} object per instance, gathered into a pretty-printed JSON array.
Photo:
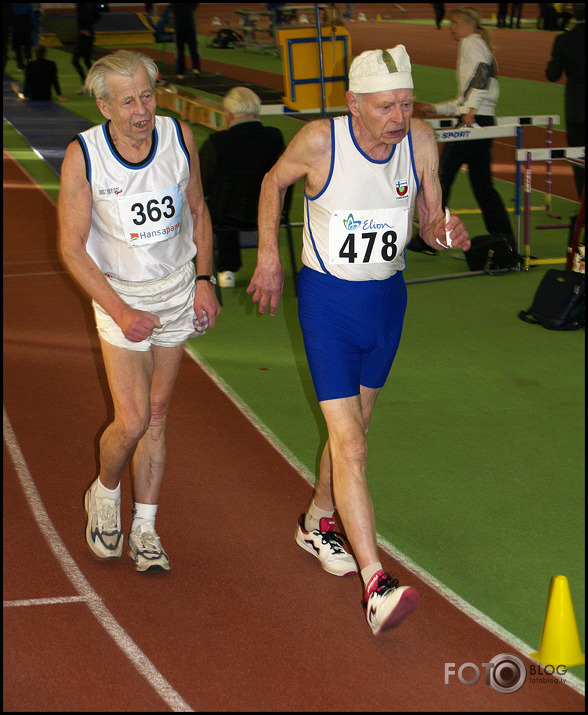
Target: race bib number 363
[
  {"x": 152, "y": 216},
  {"x": 367, "y": 236}
]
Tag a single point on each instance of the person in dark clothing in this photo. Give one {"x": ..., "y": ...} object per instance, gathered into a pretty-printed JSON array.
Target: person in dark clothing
[
  {"x": 475, "y": 105},
  {"x": 439, "y": 8},
  {"x": 516, "y": 9},
  {"x": 22, "y": 32},
  {"x": 569, "y": 56},
  {"x": 41, "y": 77},
  {"x": 87, "y": 16},
  {"x": 185, "y": 31},
  {"x": 502, "y": 13},
  {"x": 233, "y": 164}
]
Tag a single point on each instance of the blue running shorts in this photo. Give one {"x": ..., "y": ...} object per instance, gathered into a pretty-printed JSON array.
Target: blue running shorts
[{"x": 351, "y": 330}]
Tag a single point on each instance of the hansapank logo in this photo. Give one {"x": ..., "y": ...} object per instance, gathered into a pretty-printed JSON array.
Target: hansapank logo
[{"x": 161, "y": 233}]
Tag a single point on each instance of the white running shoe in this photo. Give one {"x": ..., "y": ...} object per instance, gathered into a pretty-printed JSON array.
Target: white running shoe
[
  {"x": 103, "y": 532},
  {"x": 146, "y": 550},
  {"x": 327, "y": 545},
  {"x": 226, "y": 279},
  {"x": 386, "y": 603}
]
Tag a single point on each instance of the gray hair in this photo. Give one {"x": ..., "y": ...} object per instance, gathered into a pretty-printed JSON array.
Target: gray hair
[
  {"x": 122, "y": 62},
  {"x": 242, "y": 102}
]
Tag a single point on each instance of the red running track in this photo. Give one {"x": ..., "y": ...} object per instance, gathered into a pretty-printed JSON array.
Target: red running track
[{"x": 245, "y": 620}]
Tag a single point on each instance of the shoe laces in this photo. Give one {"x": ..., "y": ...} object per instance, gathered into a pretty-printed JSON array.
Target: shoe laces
[
  {"x": 149, "y": 540},
  {"x": 333, "y": 539},
  {"x": 385, "y": 584},
  {"x": 107, "y": 512}
]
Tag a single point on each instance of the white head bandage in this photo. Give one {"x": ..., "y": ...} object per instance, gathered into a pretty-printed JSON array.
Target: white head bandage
[{"x": 380, "y": 71}]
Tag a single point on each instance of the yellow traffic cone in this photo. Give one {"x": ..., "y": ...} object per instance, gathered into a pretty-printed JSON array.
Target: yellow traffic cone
[{"x": 560, "y": 641}]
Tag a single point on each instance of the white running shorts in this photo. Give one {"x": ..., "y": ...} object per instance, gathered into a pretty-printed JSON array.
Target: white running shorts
[{"x": 170, "y": 298}]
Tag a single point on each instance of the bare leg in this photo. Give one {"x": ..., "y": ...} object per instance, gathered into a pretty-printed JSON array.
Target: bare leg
[
  {"x": 141, "y": 384},
  {"x": 342, "y": 477},
  {"x": 148, "y": 463}
]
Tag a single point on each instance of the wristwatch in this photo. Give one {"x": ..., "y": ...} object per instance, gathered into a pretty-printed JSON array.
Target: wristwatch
[{"x": 210, "y": 279}]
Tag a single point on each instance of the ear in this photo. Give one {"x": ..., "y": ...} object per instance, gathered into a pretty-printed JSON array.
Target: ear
[
  {"x": 103, "y": 107},
  {"x": 352, "y": 103}
]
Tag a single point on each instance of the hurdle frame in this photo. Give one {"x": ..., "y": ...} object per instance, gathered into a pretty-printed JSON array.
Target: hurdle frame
[{"x": 540, "y": 154}]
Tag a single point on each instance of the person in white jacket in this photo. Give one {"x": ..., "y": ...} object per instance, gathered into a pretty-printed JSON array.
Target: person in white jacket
[{"x": 475, "y": 105}]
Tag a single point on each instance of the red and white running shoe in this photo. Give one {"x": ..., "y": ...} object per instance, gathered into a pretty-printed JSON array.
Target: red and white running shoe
[
  {"x": 386, "y": 603},
  {"x": 326, "y": 545}
]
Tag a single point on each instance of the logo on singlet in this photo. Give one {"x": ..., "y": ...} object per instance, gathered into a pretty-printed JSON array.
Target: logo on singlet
[{"x": 401, "y": 188}]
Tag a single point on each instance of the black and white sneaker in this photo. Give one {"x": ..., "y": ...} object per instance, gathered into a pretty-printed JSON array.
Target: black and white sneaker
[
  {"x": 146, "y": 550},
  {"x": 103, "y": 531},
  {"x": 386, "y": 603},
  {"x": 326, "y": 545}
]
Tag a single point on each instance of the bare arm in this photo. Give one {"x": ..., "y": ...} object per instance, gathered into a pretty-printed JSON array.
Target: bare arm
[
  {"x": 432, "y": 223},
  {"x": 307, "y": 155},
  {"x": 205, "y": 298}
]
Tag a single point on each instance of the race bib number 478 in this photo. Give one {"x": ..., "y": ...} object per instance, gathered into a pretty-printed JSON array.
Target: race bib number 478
[
  {"x": 152, "y": 216},
  {"x": 367, "y": 236}
]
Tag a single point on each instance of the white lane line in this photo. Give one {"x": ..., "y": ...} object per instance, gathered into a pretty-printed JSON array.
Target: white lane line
[
  {"x": 122, "y": 639},
  {"x": 467, "y": 608},
  {"x": 44, "y": 601}
]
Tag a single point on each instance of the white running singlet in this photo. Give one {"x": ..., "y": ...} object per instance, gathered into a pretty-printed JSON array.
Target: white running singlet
[
  {"x": 358, "y": 225},
  {"x": 142, "y": 227}
]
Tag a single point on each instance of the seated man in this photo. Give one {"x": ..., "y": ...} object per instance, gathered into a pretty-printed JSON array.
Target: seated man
[
  {"x": 232, "y": 164},
  {"x": 40, "y": 78}
]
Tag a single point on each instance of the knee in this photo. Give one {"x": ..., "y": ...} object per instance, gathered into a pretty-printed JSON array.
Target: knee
[
  {"x": 159, "y": 410},
  {"x": 353, "y": 450},
  {"x": 132, "y": 427}
]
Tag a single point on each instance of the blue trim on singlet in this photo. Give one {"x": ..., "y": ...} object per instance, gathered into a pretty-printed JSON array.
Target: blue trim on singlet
[
  {"x": 319, "y": 259},
  {"x": 331, "y": 167},
  {"x": 414, "y": 171},
  {"x": 181, "y": 140},
  {"x": 127, "y": 164},
  {"x": 84, "y": 148},
  {"x": 369, "y": 158}
]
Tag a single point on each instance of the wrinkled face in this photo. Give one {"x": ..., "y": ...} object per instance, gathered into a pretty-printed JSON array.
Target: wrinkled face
[
  {"x": 461, "y": 27},
  {"x": 385, "y": 115},
  {"x": 132, "y": 106}
]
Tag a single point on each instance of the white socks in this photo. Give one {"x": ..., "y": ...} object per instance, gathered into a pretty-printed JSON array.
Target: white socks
[
  {"x": 369, "y": 571},
  {"x": 314, "y": 515},
  {"x": 106, "y": 493},
  {"x": 143, "y": 514}
]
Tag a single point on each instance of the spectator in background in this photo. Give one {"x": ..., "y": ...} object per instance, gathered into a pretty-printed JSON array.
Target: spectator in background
[
  {"x": 232, "y": 164},
  {"x": 185, "y": 31},
  {"x": 475, "y": 105},
  {"x": 569, "y": 56},
  {"x": 501, "y": 17},
  {"x": 40, "y": 78},
  {"x": 87, "y": 16},
  {"x": 22, "y": 32},
  {"x": 516, "y": 9},
  {"x": 439, "y": 8}
]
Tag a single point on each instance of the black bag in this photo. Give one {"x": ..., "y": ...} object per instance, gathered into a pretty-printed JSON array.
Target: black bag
[
  {"x": 226, "y": 39},
  {"x": 559, "y": 302},
  {"x": 491, "y": 253}
]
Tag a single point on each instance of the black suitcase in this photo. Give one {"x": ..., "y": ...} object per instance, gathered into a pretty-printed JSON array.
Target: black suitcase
[{"x": 559, "y": 302}]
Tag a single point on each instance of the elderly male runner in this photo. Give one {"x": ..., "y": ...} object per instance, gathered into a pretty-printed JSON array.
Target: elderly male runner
[
  {"x": 132, "y": 220},
  {"x": 364, "y": 175}
]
